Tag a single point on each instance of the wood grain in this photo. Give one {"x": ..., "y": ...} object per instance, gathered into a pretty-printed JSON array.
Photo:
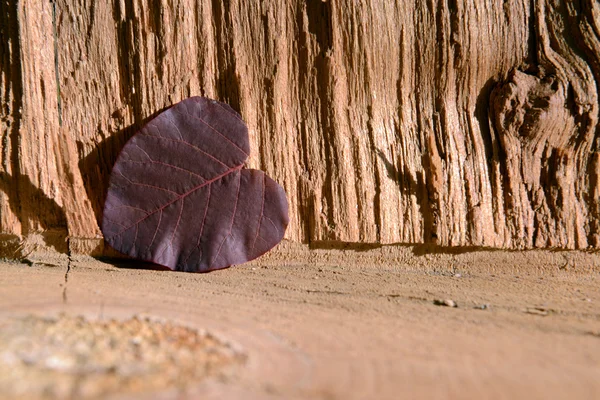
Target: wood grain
[{"x": 444, "y": 122}]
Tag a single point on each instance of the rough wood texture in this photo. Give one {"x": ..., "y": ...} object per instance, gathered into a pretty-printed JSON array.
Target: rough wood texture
[{"x": 456, "y": 123}]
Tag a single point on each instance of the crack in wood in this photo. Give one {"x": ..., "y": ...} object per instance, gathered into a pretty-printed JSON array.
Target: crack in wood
[{"x": 56, "y": 64}]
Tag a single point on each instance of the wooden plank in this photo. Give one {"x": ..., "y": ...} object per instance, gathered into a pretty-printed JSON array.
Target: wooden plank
[{"x": 385, "y": 121}]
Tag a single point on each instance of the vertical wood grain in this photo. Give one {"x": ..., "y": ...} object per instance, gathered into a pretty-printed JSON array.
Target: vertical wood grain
[{"x": 455, "y": 123}]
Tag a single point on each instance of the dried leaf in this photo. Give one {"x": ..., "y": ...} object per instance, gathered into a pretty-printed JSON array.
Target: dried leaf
[{"x": 179, "y": 195}]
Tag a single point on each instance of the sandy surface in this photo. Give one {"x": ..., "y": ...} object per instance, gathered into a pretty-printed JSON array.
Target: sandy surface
[{"x": 346, "y": 324}]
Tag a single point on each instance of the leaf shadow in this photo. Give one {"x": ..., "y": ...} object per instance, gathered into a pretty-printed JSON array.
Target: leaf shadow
[{"x": 130, "y": 263}]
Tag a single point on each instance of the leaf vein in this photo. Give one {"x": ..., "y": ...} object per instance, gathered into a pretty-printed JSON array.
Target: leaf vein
[
  {"x": 237, "y": 198},
  {"x": 187, "y": 144},
  {"x": 166, "y": 165},
  {"x": 217, "y": 131},
  {"x": 181, "y": 196},
  {"x": 146, "y": 185},
  {"x": 262, "y": 209}
]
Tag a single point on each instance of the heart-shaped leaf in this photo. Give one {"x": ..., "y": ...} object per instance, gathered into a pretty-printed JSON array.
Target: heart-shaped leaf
[{"x": 179, "y": 196}]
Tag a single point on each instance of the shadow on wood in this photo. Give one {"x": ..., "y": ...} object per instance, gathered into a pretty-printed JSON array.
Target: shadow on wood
[
  {"x": 409, "y": 186},
  {"x": 41, "y": 210}
]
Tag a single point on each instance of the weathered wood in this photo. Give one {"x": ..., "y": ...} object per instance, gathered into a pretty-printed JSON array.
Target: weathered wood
[{"x": 455, "y": 123}]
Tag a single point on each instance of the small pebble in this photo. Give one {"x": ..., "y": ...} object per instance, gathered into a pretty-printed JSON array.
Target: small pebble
[{"x": 445, "y": 303}]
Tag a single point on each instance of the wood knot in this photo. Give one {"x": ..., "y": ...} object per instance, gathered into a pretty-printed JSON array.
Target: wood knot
[{"x": 533, "y": 110}]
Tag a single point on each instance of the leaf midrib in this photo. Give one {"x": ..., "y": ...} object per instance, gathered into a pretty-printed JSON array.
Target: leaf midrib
[{"x": 181, "y": 196}]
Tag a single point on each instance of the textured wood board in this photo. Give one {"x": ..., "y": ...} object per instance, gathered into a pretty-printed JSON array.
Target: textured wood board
[{"x": 453, "y": 123}]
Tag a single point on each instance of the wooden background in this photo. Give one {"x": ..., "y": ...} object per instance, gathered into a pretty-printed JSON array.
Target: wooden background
[{"x": 456, "y": 123}]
